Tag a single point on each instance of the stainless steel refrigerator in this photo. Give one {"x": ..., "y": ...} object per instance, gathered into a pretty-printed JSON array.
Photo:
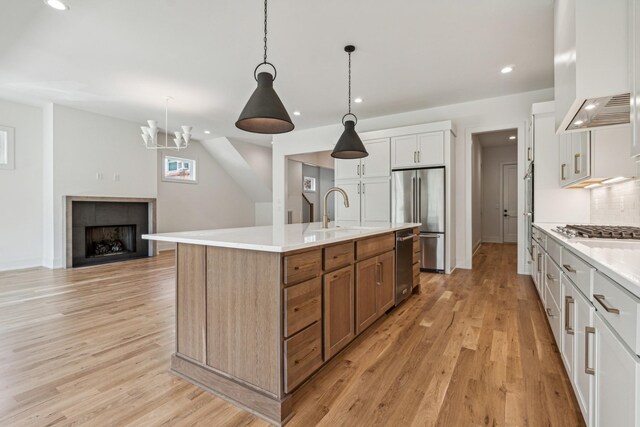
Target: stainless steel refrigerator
[{"x": 418, "y": 195}]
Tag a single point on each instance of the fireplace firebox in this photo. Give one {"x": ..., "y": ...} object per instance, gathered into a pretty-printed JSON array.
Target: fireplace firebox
[{"x": 111, "y": 240}]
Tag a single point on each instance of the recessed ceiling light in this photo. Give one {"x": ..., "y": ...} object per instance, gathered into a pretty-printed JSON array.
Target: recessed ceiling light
[
  {"x": 358, "y": 100},
  {"x": 512, "y": 137},
  {"x": 56, "y": 4},
  {"x": 590, "y": 107},
  {"x": 507, "y": 69},
  {"x": 207, "y": 132},
  {"x": 296, "y": 113},
  {"x": 578, "y": 122}
]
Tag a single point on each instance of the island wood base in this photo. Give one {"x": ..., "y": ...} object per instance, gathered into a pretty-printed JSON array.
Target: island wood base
[{"x": 253, "y": 326}]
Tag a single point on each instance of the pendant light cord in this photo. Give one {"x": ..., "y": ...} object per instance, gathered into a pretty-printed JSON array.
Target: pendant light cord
[
  {"x": 265, "y": 32},
  {"x": 349, "y": 53}
]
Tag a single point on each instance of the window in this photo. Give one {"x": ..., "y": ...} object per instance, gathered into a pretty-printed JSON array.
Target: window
[
  {"x": 6, "y": 147},
  {"x": 176, "y": 169}
]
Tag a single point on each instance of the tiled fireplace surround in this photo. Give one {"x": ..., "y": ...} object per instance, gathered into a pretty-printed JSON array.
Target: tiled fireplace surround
[{"x": 108, "y": 217}]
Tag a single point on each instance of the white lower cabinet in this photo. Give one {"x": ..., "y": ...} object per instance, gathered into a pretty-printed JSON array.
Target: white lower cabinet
[
  {"x": 617, "y": 378},
  {"x": 567, "y": 349},
  {"x": 583, "y": 378}
]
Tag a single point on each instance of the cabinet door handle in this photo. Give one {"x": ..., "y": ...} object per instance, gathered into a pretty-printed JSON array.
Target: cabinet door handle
[
  {"x": 550, "y": 277},
  {"x": 378, "y": 273},
  {"x": 529, "y": 153},
  {"x": 418, "y": 156},
  {"x": 358, "y": 188},
  {"x": 567, "y": 327},
  {"x": 363, "y": 185},
  {"x": 415, "y": 157},
  {"x": 603, "y": 303},
  {"x": 563, "y": 175},
  {"x": 539, "y": 262},
  {"x": 549, "y": 312},
  {"x": 358, "y": 170},
  {"x": 588, "y": 330},
  {"x": 576, "y": 163},
  {"x": 569, "y": 268},
  {"x": 363, "y": 173}
]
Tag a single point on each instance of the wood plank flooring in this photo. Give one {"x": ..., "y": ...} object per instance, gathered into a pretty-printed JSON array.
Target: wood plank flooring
[{"x": 91, "y": 347}]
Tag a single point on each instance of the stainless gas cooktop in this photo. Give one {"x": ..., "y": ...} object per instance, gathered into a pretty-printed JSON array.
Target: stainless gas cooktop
[{"x": 600, "y": 231}]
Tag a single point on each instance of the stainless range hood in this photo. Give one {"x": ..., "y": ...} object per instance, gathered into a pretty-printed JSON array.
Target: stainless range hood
[{"x": 605, "y": 111}]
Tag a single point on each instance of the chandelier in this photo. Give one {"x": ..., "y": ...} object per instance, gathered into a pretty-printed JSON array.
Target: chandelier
[{"x": 150, "y": 134}]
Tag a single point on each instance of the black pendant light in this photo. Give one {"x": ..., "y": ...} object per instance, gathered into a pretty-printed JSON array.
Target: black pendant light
[
  {"x": 264, "y": 112},
  {"x": 349, "y": 145}
]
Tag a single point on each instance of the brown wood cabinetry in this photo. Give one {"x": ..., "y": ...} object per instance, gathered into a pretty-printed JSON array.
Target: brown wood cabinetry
[
  {"x": 339, "y": 313},
  {"x": 375, "y": 288},
  {"x": 302, "y": 266},
  {"x": 338, "y": 256},
  {"x": 303, "y": 355},
  {"x": 416, "y": 258},
  {"x": 371, "y": 246},
  {"x": 303, "y": 306}
]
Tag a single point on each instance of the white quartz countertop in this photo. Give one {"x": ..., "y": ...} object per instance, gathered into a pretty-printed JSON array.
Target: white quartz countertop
[
  {"x": 280, "y": 238},
  {"x": 618, "y": 259}
]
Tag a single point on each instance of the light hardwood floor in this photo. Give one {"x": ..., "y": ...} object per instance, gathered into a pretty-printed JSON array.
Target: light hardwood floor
[{"x": 91, "y": 347}]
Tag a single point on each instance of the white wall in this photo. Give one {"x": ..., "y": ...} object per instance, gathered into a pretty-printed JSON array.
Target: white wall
[
  {"x": 492, "y": 160},
  {"x": 93, "y": 155},
  {"x": 294, "y": 191},
  {"x": 487, "y": 114},
  {"x": 21, "y": 189},
  {"x": 216, "y": 201},
  {"x": 258, "y": 157},
  {"x": 476, "y": 181}
]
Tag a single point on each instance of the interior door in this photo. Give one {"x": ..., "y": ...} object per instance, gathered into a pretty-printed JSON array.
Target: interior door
[{"x": 510, "y": 203}]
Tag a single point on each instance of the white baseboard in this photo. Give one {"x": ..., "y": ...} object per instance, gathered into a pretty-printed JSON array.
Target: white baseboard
[
  {"x": 491, "y": 239},
  {"x": 21, "y": 264}
]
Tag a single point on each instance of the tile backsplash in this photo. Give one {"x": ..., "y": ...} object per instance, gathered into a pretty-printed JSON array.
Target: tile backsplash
[{"x": 617, "y": 204}]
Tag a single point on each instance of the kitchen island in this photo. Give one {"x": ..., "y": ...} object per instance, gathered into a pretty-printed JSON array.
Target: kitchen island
[{"x": 260, "y": 309}]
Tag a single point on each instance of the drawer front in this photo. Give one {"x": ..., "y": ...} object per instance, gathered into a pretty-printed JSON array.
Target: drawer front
[
  {"x": 416, "y": 274},
  {"x": 302, "y": 266},
  {"x": 555, "y": 319},
  {"x": 618, "y": 307},
  {"x": 580, "y": 273},
  {"x": 552, "y": 279},
  {"x": 540, "y": 237},
  {"x": 338, "y": 256},
  {"x": 302, "y": 305},
  {"x": 366, "y": 248},
  {"x": 303, "y": 355},
  {"x": 554, "y": 249}
]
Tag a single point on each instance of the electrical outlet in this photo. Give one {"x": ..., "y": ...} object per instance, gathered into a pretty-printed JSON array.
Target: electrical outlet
[{"x": 98, "y": 176}]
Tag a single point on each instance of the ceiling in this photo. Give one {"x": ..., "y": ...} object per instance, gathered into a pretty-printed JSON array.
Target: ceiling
[
  {"x": 497, "y": 138},
  {"x": 122, "y": 57}
]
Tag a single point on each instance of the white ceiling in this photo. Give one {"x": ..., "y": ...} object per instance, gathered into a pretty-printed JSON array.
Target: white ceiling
[
  {"x": 121, "y": 57},
  {"x": 497, "y": 138}
]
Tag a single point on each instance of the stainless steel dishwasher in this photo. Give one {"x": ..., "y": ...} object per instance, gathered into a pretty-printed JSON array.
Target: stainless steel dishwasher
[{"x": 404, "y": 264}]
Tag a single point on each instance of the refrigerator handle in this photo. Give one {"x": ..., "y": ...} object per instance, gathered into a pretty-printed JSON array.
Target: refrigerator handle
[
  {"x": 413, "y": 199},
  {"x": 419, "y": 202}
]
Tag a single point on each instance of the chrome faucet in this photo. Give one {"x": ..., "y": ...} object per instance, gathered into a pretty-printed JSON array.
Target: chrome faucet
[{"x": 325, "y": 215}]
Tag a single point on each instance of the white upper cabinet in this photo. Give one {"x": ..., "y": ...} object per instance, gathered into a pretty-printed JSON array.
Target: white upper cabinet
[
  {"x": 377, "y": 163},
  {"x": 634, "y": 32},
  {"x": 420, "y": 150},
  {"x": 347, "y": 169},
  {"x": 591, "y": 63}
]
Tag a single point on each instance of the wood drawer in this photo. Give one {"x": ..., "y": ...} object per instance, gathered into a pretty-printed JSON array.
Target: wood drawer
[
  {"x": 554, "y": 249},
  {"x": 416, "y": 245},
  {"x": 302, "y": 305},
  {"x": 416, "y": 274},
  {"x": 580, "y": 273},
  {"x": 366, "y": 248},
  {"x": 338, "y": 256},
  {"x": 302, "y": 266},
  {"x": 552, "y": 279},
  {"x": 303, "y": 355},
  {"x": 623, "y": 307}
]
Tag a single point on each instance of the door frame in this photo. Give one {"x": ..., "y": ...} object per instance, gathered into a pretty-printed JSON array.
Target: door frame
[
  {"x": 502, "y": 165},
  {"x": 522, "y": 249}
]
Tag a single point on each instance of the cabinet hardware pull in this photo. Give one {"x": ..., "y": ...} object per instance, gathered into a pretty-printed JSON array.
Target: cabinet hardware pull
[
  {"x": 550, "y": 277},
  {"x": 363, "y": 185},
  {"x": 562, "y": 173},
  {"x": 363, "y": 173},
  {"x": 588, "y": 330},
  {"x": 549, "y": 313},
  {"x": 529, "y": 153},
  {"x": 414, "y": 157},
  {"x": 313, "y": 350},
  {"x": 569, "y": 268},
  {"x": 576, "y": 163},
  {"x": 378, "y": 274},
  {"x": 358, "y": 188},
  {"x": 567, "y": 300},
  {"x": 358, "y": 170},
  {"x": 601, "y": 300},
  {"x": 539, "y": 262},
  {"x": 418, "y": 156}
]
